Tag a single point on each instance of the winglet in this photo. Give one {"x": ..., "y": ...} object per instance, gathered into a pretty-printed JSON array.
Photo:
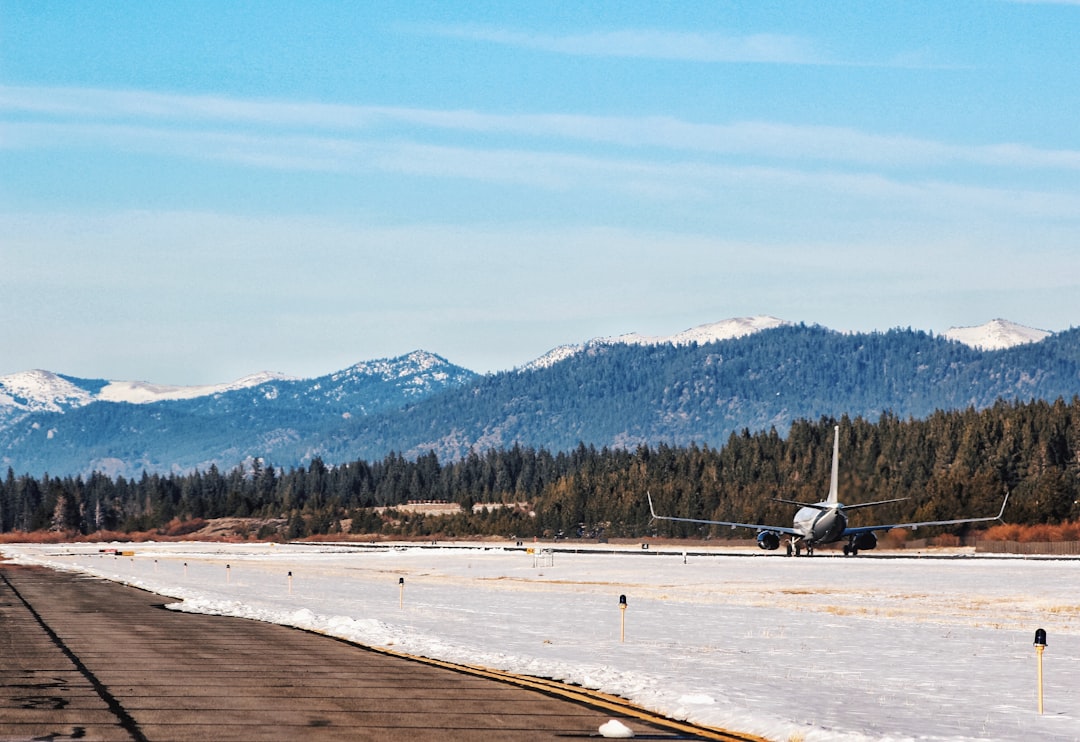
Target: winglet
[
  {"x": 651, "y": 510},
  {"x": 1003, "y": 504}
]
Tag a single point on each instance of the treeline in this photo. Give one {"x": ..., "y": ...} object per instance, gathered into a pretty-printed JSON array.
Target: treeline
[{"x": 950, "y": 465}]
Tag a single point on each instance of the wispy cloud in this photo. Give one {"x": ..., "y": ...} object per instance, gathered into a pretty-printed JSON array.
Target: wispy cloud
[
  {"x": 707, "y": 47},
  {"x": 95, "y": 111},
  {"x": 672, "y": 181},
  {"x": 100, "y": 103},
  {"x": 637, "y": 157},
  {"x": 652, "y": 44}
]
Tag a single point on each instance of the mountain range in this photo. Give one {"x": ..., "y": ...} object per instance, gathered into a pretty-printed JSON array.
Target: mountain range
[{"x": 698, "y": 386}]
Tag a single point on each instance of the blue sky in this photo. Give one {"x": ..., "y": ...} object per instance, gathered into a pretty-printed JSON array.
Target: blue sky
[{"x": 194, "y": 191}]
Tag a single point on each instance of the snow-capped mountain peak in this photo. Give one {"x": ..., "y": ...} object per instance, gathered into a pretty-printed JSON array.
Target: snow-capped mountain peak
[
  {"x": 41, "y": 391},
  {"x": 416, "y": 362},
  {"x": 28, "y": 392},
  {"x": 44, "y": 391},
  {"x": 727, "y": 329},
  {"x": 997, "y": 334}
]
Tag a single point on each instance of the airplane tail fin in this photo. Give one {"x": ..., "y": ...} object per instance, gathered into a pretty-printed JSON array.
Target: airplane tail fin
[{"x": 834, "y": 488}]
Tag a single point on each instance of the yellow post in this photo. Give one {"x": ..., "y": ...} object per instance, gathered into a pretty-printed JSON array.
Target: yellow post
[
  {"x": 622, "y": 618},
  {"x": 1039, "y": 653},
  {"x": 1040, "y": 645}
]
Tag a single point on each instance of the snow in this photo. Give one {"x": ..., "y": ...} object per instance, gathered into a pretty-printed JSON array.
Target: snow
[
  {"x": 553, "y": 356},
  {"x": 415, "y": 363},
  {"x": 997, "y": 334},
  {"x": 828, "y": 648},
  {"x": 44, "y": 391},
  {"x": 40, "y": 391},
  {"x": 615, "y": 729},
  {"x": 33, "y": 391},
  {"x": 727, "y": 329},
  {"x": 141, "y": 392}
]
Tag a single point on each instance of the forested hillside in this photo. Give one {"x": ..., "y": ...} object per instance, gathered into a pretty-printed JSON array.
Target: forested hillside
[
  {"x": 280, "y": 419},
  {"x": 611, "y": 395},
  {"x": 951, "y": 464},
  {"x": 624, "y": 396}
]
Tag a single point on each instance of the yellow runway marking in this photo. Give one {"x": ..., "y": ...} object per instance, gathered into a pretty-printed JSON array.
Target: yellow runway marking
[{"x": 578, "y": 694}]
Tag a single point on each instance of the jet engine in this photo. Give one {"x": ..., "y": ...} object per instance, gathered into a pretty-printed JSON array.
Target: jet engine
[
  {"x": 864, "y": 542},
  {"x": 768, "y": 540}
]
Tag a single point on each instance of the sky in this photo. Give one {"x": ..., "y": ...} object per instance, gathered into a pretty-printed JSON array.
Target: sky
[
  {"x": 829, "y": 649},
  {"x": 192, "y": 192}
]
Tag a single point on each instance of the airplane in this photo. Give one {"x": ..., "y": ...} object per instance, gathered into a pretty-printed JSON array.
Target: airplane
[{"x": 825, "y": 522}]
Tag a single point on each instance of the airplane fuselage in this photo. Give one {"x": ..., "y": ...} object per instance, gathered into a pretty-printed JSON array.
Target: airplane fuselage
[{"x": 820, "y": 525}]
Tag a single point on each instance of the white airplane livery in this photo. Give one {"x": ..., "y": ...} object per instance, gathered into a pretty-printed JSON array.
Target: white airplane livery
[{"x": 825, "y": 522}]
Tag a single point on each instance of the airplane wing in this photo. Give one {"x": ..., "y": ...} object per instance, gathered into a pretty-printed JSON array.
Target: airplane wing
[
  {"x": 885, "y": 527},
  {"x": 814, "y": 505},
  {"x": 876, "y": 502},
  {"x": 754, "y": 526},
  {"x": 827, "y": 506}
]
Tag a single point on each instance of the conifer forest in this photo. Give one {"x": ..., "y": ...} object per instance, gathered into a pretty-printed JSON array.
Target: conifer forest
[{"x": 950, "y": 465}]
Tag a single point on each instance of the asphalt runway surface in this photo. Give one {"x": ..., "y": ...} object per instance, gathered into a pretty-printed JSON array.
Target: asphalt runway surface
[{"x": 82, "y": 658}]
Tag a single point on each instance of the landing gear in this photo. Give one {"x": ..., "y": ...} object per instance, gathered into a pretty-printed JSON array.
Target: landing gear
[
  {"x": 795, "y": 547},
  {"x": 857, "y": 542}
]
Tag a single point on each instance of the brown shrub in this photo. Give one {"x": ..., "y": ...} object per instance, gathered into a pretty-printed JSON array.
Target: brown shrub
[
  {"x": 106, "y": 536},
  {"x": 947, "y": 539},
  {"x": 1002, "y": 532},
  {"x": 35, "y": 537},
  {"x": 1039, "y": 533},
  {"x": 1070, "y": 531},
  {"x": 894, "y": 539},
  {"x": 177, "y": 527}
]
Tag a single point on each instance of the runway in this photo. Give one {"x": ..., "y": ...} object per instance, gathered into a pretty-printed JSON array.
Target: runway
[{"x": 87, "y": 659}]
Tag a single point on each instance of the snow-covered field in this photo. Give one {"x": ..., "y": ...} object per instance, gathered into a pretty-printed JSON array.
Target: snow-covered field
[{"x": 791, "y": 649}]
